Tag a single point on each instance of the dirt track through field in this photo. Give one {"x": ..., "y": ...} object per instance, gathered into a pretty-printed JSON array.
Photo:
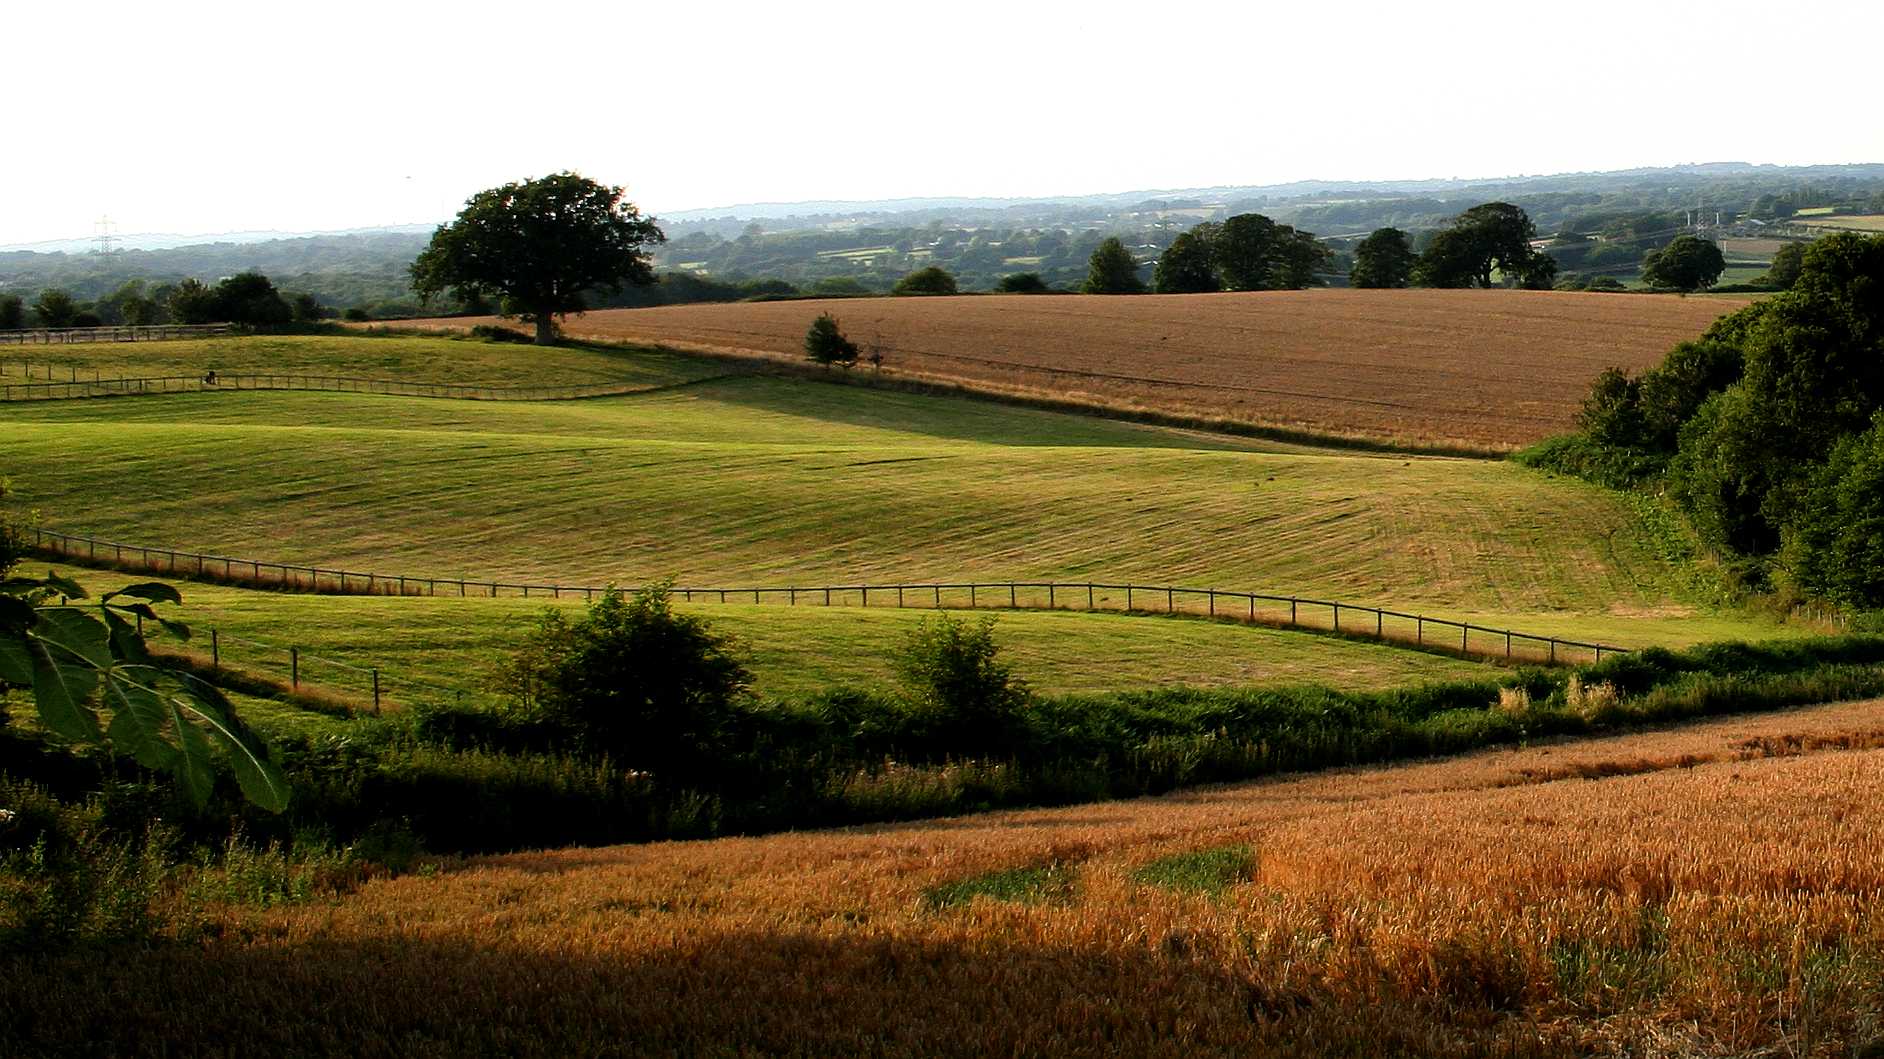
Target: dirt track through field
[{"x": 1484, "y": 369}]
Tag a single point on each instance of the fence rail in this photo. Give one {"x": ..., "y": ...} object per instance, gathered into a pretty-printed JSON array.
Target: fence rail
[
  {"x": 52, "y": 388},
  {"x": 49, "y": 336},
  {"x": 1296, "y": 612}
]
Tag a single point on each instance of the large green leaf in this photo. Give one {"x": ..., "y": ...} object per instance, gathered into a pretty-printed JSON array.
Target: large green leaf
[
  {"x": 16, "y": 661},
  {"x": 61, "y": 688},
  {"x": 65, "y": 586},
  {"x": 138, "y": 720},
  {"x": 256, "y": 773},
  {"x": 194, "y": 767},
  {"x": 77, "y": 633},
  {"x": 126, "y": 643},
  {"x": 16, "y": 613},
  {"x": 154, "y": 591}
]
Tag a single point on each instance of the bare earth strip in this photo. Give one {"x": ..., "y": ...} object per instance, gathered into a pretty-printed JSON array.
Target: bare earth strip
[{"x": 1489, "y": 369}]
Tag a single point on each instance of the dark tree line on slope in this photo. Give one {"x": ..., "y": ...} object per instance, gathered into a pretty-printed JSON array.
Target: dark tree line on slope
[
  {"x": 248, "y": 298},
  {"x": 1768, "y": 431}
]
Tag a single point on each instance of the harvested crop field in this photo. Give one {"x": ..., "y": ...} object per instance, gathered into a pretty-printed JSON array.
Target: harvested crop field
[
  {"x": 1480, "y": 369},
  {"x": 1712, "y": 890}
]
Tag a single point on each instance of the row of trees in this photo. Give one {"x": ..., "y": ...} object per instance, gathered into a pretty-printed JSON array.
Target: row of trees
[
  {"x": 1769, "y": 430},
  {"x": 249, "y": 298}
]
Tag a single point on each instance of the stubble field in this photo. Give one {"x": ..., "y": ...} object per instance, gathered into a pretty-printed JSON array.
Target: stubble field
[
  {"x": 1705, "y": 891},
  {"x": 1485, "y": 370}
]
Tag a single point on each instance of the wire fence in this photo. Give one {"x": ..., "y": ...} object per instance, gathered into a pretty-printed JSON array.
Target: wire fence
[
  {"x": 50, "y": 336},
  {"x": 49, "y": 386},
  {"x": 1294, "y": 612}
]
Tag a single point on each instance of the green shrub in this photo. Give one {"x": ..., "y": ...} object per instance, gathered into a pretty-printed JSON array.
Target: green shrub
[
  {"x": 826, "y": 344},
  {"x": 632, "y": 679},
  {"x": 951, "y": 670},
  {"x": 932, "y": 280}
]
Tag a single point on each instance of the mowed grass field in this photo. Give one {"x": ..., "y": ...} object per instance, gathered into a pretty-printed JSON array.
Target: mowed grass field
[
  {"x": 1488, "y": 370},
  {"x": 423, "y": 646},
  {"x": 363, "y": 354},
  {"x": 779, "y": 481},
  {"x": 1707, "y": 891}
]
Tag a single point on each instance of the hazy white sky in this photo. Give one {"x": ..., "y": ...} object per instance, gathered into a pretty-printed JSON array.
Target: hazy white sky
[{"x": 214, "y": 116}]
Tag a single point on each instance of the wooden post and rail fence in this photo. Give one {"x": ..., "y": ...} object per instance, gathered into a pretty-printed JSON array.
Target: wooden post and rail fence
[
  {"x": 1295, "y": 612},
  {"x": 23, "y": 380},
  {"x": 65, "y": 336}
]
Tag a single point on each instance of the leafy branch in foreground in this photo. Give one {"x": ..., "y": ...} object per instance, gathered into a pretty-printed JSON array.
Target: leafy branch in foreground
[{"x": 94, "y": 681}]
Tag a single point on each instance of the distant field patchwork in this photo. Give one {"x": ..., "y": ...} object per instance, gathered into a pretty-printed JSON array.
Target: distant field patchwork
[{"x": 1480, "y": 369}]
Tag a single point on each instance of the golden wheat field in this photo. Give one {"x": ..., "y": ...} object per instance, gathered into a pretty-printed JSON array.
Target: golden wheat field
[
  {"x": 1486, "y": 369},
  {"x": 1712, "y": 890}
]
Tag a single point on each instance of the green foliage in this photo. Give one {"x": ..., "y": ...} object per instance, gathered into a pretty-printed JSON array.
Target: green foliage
[
  {"x": 1834, "y": 548},
  {"x": 632, "y": 679},
  {"x": 839, "y": 286},
  {"x": 1030, "y": 886},
  {"x": 1189, "y": 264},
  {"x": 826, "y": 344},
  {"x": 65, "y": 877},
  {"x": 1783, "y": 271},
  {"x": 1255, "y": 253},
  {"x": 55, "y": 309},
  {"x": 931, "y": 280},
  {"x": 1112, "y": 270},
  {"x": 539, "y": 245},
  {"x": 193, "y": 303},
  {"x": 308, "y": 309},
  {"x": 1493, "y": 236},
  {"x": 93, "y": 680},
  {"x": 1612, "y": 413},
  {"x": 355, "y": 314},
  {"x": 1207, "y": 871},
  {"x": 12, "y": 312},
  {"x": 1383, "y": 259},
  {"x": 251, "y": 298},
  {"x": 1021, "y": 283},
  {"x": 952, "y": 672},
  {"x": 1686, "y": 264}
]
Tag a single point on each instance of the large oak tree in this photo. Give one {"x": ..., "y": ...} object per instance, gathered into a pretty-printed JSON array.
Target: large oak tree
[{"x": 539, "y": 245}]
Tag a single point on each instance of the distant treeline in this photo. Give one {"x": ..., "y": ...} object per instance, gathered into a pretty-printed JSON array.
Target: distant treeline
[{"x": 1599, "y": 224}]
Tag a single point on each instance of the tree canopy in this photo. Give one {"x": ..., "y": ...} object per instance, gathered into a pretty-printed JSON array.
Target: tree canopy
[
  {"x": 1189, "y": 264},
  {"x": 1021, "y": 283},
  {"x": 1383, "y": 259},
  {"x": 932, "y": 280},
  {"x": 1112, "y": 270},
  {"x": 1245, "y": 252},
  {"x": 1494, "y": 236},
  {"x": 541, "y": 245},
  {"x": 1686, "y": 264}
]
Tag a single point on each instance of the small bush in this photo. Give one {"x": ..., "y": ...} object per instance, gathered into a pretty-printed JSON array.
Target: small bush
[
  {"x": 826, "y": 344},
  {"x": 632, "y": 679},
  {"x": 1021, "y": 283},
  {"x": 951, "y": 670}
]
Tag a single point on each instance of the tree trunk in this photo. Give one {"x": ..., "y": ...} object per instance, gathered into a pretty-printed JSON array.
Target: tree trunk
[{"x": 545, "y": 330}]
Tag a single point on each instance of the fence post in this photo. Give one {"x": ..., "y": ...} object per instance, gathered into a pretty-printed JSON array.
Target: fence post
[
  {"x": 1170, "y": 604},
  {"x": 1010, "y": 594},
  {"x": 1051, "y": 604},
  {"x": 1465, "y": 633},
  {"x": 792, "y": 597},
  {"x": 1337, "y": 617},
  {"x": 1553, "y": 651},
  {"x": 972, "y": 602},
  {"x": 1252, "y": 606},
  {"x": 1089, "y": 595},
  {"x": 1379, "y": 624},
  {"x": 1128, "y": 597},
  {"x": 827, "y": 597},
  {"x": 1507, "y": 643},
  {"x": 215, "y": 647},
  {"x": 294, "y": 667},
  {"x": 938, "y": 597},
  {"x": 1291, "y": 611},
  {"x": 1213, "y": 602},
  {"x": 1419, "y": 625},
  {"x": 376, "y": 692}
]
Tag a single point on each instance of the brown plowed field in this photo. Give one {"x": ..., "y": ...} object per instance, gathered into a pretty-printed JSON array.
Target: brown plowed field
[{"x": 1481, "y": 369}]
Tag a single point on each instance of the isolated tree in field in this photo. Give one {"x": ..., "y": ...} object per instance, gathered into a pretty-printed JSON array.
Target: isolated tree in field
[
  {"x": 1112, "y": 270},
  {"x": 540, "y": 244},
  {"x": 826, "y": 344},
  {"x": 55, "y": 308},
  {"x": 952, "y": 672},
  {"x": 1021, "y": 283},
  {"x": 1255, "y": 253},
  {"x": 1492, "y": 237},
  {"x": 1189, "y": 264},
  {"x": 932, "y": 280},
  {"x": 1383, "y": 259},
  {"x": 12, "y": 312},
  {"x": 1687, "y": 264}
]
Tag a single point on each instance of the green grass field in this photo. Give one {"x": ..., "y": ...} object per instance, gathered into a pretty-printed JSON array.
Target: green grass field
[
  {"x": 776, "y": 481},
  {"x": 411, "y": 358},
  {"x": 422, "y": 644}
]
